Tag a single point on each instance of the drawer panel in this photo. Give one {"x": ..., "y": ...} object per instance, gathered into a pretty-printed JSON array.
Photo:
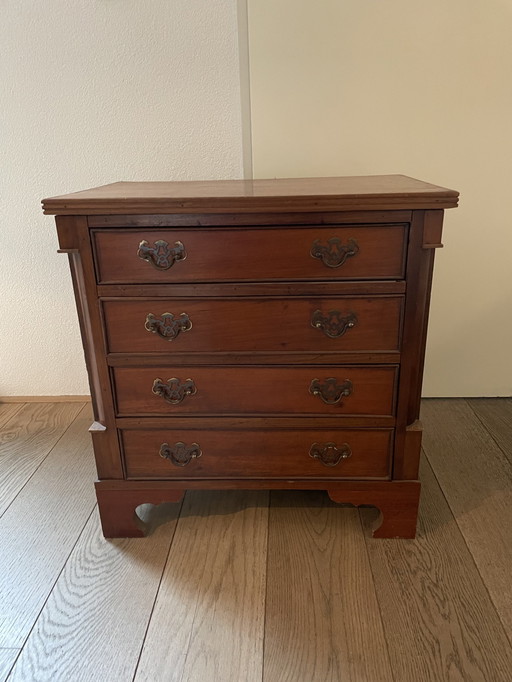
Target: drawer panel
[
  {"x": 266, "y": 324},
  {"x": 215, "y": 254},
  {"x": 339, "y": 453},
  {"x": 254, "y": 390}
]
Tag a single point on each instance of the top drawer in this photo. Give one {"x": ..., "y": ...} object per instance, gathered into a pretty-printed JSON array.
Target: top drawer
[{"x": 165, "y": 256}]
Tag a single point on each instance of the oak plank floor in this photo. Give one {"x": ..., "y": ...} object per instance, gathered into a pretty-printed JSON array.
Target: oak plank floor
[
  {"x": 26, "y": 440},
  {"x": 7, "y": 658},
  {"x": 40, "y": 527},
  {"x": 476, "y": 478},
  {"x": 247, "y": 591},
  {"x": 496, "y": 415},
  {"x": 323, "y": 621},
  {"x": 93, "y": 624},
  {"x": 438, "y": 618},
  {"x": 208, "y": 620},
  {"x": 8, "y": 410}
]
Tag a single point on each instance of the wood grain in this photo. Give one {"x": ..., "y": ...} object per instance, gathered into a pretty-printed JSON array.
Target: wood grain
[
  {"x": 476, "y": 479},
  {"x": 7, "y": 411},
  {"x": 261, "y": 324},
  {"x": 7, "y": 658},
  {"x": 323, "y": 621},
  {"x": 257, "y": 390},
  {"x": 214, "y": 254},
  {"x": 26, "y": 440},
  {"x": 496, "y": 415},
  {"x": 256, "y": 453},
  {"x": 39, "y": 529},
  {"x": 438, "y": 618},
  {"x": 93, "y": 624},
  {"x": 209, "y": 614},
  {"x": 284, "y": 194}
]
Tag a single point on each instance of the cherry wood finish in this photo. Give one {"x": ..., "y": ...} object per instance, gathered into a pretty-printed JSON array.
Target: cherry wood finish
[
  {"x": 255, "y": 335},
  {"x": 377, "y": 192},
  {"x": 249, "y": 324},
  {"x": 215, "y": 254},
  {"x": 241, "y": 453},
  {"x": 256, "y": 390}
]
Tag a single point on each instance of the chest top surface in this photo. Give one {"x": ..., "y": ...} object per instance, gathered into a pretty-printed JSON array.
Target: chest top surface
[{"x": 372, "y": 192}]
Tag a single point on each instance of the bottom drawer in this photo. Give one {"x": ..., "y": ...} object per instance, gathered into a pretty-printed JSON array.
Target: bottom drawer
[{"x": 249, "y": 453}]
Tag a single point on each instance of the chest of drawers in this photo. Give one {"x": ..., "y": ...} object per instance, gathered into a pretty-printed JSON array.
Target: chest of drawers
[{"x": 255, "y": 334}]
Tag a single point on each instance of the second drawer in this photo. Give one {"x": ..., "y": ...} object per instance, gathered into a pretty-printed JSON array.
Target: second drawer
[{"x": 255, "y": 390}]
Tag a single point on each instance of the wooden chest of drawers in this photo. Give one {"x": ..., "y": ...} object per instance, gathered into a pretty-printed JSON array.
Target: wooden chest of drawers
[{"x": 255, "y": 334}]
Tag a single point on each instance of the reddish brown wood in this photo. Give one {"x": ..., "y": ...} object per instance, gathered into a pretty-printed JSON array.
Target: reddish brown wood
[
  {"x": 420, "y": 264},
  {"x": 256, "y": 390},
  {"x": 398, "y": 505},
  {"x": 117, "y": 508},
  {"x": 74, "y": 233},
  {"x": 377, "y": 192},
  {"x": 267, "y": 220},
  {"x": 249, "y": 453},
  {"x": 229, "y": 289},
  {"x": 252, "y": 254},
  {"x": 274, "y": 329},
  {"x": 264, "y": 324}
]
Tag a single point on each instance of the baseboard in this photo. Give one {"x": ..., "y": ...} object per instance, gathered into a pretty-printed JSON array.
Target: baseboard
[{"x": 45, "y": 399}]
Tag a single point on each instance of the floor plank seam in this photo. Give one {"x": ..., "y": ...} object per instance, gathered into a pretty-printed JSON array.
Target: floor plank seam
[
  {"x": 50, "y": 591},
  {"x": 13, "y": 663},
  {"x": 365, "y": 540},
  {"x": 486, "y": 428},
  {"x": 266, "y": 589},
  {"x": 21, "y": 405},
  {"x": 45, "y": 457},
  {"x": 491, "y": 600},
  {"x": 156, "y": 595}
]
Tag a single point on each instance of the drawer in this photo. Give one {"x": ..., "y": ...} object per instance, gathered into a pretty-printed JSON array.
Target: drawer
[
  {"x": 203, "y": 255},
  {"x": 245, "y": 453},
  {"x": 255, "y": 324},
  {"x": 255, "y": 390}
]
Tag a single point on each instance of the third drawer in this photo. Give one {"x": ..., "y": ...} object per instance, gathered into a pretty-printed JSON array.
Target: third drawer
[{"x": 196, "y": 390}]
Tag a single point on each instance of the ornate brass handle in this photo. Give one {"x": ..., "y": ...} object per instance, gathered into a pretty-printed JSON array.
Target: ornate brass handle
[
  {"x": 168, "y": 327},
  {"x": 329, "y": 453},
  {"x": 333, "y": 324},
  {"x": 330, "y": 391},
  {"x": 179, "y": 453},
  {"x": 174, "y": 391},
  {"x": 335, "y": 253},
  {"x": 161, "y": 255}
]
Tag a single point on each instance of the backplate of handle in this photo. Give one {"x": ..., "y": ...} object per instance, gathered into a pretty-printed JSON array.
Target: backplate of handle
[
  {"x": 168, "y": 326},
  {"x": 179, "y": 453},
  {"x": 174, "y": 390},
  {"x": 330, "y": 391},
  {"x": 333, "y": 323},
  {"x": 161, "y": 256},
  {"x": 329, "y": 453},
  {"x": 335, "y": 253}
]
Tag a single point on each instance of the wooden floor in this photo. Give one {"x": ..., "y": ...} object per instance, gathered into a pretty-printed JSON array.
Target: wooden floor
[{"x": 252, "y": 586}]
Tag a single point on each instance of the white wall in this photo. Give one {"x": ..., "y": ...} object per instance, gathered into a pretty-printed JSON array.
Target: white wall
[
  {"x": 95, "y": 91},
  {"x": 405, "y": 86}
]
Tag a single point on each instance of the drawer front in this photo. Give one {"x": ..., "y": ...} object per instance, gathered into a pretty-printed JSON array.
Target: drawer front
[
  {"x": 203, "y": 255},
  {"x": 180, "y": 390},
  {"x": 229, "y": 325},
  {"x": 309, "y": 453}
]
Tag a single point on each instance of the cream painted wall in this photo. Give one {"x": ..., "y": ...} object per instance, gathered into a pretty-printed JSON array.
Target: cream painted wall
[
  {"x": 347, "y": 87},
  {"x": 95, "y": 91}
]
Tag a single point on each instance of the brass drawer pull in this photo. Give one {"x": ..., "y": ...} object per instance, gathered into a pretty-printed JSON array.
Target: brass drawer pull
[
  {"x": 161, "y": 255},
  {"x": 333, "y": 324},
  {"x": 174, "y": 391},
  {"x": 335, "y": 253},
  {"x": 330, "y": 391},
  {"x": 168, "y": 327},
  {"x": 179, "y": 453},
  {"x": 329, "y": 453}
]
